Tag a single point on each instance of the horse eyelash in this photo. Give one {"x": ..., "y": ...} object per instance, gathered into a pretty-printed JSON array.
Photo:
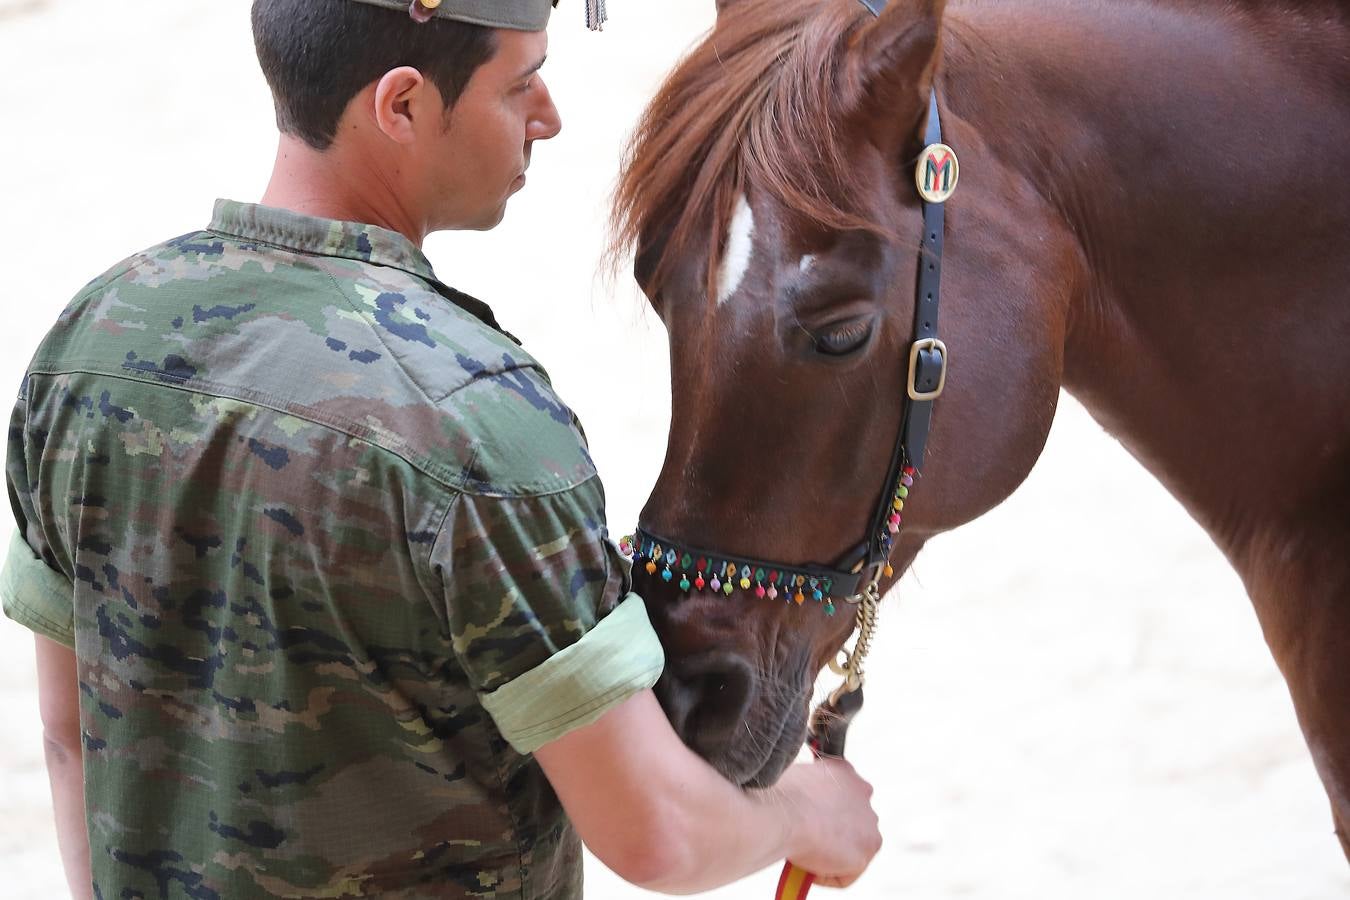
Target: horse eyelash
[{"x": 848, "y": 338}]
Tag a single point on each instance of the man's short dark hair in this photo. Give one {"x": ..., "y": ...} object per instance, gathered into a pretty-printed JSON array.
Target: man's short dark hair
[{"x": 317, "y": 56}]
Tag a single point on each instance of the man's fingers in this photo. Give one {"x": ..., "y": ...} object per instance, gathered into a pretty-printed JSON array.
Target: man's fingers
[{"x": 836, "y": 882}]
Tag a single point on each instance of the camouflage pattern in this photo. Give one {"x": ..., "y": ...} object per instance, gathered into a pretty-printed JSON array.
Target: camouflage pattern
[{"x": 310, "y": 503}]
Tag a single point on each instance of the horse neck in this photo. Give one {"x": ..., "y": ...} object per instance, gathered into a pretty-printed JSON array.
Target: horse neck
[{"x": 1197, "y": 156}]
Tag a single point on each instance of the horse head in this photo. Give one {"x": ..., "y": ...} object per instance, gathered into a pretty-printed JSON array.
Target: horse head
[{"x": 769, "y": 198}]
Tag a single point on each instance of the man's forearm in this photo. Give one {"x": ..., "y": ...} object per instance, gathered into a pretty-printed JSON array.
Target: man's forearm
[
  {"x": 65, "y": 771},
  {"x": 656, "y": 813},
  {"x": 59, "y": 702},
  {"x": 724, "y": 833}
]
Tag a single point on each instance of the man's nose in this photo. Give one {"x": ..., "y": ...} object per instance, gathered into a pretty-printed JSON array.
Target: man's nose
[{"x": 547, "y": 121}]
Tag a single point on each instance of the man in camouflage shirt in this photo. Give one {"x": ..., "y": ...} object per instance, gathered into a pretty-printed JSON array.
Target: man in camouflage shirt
[{"x": 328, "y": 550}]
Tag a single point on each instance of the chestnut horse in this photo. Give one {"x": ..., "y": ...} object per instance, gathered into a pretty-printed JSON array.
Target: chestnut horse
[{"x": 1153, "y": 213}]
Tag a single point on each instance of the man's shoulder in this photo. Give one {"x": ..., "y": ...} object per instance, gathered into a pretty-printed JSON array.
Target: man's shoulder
[
  {"x": 526, "y": 440},
  {"x": 375, "y": 351},
  {"x": 512, "y": 432}
]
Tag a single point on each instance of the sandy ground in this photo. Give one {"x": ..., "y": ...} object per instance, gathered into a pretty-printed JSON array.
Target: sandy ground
[{"x": 1070, "y": 698}]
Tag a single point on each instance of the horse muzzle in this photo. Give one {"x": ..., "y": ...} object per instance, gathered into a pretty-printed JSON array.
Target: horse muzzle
[{"x": 746, "y": 720}]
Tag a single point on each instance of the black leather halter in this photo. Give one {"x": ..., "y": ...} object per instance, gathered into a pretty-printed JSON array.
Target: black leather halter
[{"x": 926, "y": 375}]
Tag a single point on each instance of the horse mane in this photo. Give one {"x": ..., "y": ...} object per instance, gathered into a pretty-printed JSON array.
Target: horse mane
[{"x": 753, "y": 103}]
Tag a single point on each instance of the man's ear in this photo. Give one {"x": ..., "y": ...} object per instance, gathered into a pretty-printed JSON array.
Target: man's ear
[
  {"x": 401, "y": 97},
  {"x": 891, "y": 64}
]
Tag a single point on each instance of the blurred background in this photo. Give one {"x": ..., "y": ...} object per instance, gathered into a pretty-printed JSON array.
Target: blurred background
[{"x": 1069, "y": 697}]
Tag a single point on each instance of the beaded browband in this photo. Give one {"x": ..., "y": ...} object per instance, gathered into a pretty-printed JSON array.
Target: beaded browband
[
  {"x": 697, "y": 569},
  {"x": 935, "y": 177}
]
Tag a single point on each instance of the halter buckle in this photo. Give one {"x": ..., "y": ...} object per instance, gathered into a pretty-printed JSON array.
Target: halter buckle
[{"x": 912, "y": 382}]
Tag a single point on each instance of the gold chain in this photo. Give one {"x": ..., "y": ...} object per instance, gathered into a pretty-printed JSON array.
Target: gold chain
[{"x": 852, "y": 666}]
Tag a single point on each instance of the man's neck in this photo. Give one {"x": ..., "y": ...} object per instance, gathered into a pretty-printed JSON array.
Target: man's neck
[{"x": 320, "y": 183}]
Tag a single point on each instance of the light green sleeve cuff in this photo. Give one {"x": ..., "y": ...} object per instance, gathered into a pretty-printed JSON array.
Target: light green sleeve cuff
[
  {"x": 36, "y": 596},
  {"x": 616, "y": 659}
]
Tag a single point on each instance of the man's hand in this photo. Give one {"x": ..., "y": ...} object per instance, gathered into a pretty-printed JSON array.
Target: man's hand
[
  {"x": 662, "y": 818},
  {"x": 837, "y": 834}
]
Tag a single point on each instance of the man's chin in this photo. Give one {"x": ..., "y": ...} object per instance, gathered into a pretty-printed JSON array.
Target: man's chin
[{"x": 490, "y": 221}]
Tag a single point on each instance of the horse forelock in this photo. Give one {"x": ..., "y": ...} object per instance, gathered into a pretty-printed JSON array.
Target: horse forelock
[{"x": 752, "y": 108}]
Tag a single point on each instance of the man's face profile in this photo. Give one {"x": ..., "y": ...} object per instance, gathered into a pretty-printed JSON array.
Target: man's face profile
[{"x": 478, "y": 158}]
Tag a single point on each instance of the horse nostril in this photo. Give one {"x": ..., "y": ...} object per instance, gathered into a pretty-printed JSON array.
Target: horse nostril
[{"x": 706, "y": 698}]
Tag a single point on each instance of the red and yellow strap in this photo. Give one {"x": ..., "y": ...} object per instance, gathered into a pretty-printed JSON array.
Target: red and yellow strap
[
  {"x": 829, "y": 725},
  {"x": 795, "y": 883}
]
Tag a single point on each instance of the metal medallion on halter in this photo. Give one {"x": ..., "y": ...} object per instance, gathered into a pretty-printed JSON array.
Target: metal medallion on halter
[{"x": 937, "y": 173}]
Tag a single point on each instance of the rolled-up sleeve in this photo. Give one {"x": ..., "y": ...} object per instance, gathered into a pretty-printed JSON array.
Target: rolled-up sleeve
[
  {"x": 540, "y": 611},
  {"x": 35, "y": 595},
  {"x": 613, "y": 661}
]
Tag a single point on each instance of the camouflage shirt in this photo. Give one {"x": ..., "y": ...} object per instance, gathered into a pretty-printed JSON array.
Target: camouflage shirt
[{"x": 332, "y": 557}]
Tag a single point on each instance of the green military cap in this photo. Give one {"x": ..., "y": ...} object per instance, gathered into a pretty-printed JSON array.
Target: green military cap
[{"x": 522, "y": 15}]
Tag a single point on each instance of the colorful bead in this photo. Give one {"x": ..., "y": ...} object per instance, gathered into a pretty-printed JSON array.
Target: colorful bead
[
  {"x": 902, "y": 493},
  {"x": 682, "y": 567},
  {"x": 908, "y": 470},
  {"x": 907, "y": 480},
  {"x": 898, "y": 504}
]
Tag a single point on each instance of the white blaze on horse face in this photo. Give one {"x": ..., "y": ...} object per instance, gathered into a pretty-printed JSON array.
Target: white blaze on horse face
[
  {"x": 740, "y": 244},
  {"x": 807, "y": 262}
]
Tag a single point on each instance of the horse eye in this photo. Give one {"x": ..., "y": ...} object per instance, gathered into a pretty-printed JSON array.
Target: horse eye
[{"x": 843, "y": 339}]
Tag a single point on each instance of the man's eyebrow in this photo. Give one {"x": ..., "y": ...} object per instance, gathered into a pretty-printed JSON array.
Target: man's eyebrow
[{"x": 532, "y": 69}]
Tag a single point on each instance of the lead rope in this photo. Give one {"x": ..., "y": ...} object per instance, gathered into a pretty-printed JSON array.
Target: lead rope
[{"x": 830, "y": 721}]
